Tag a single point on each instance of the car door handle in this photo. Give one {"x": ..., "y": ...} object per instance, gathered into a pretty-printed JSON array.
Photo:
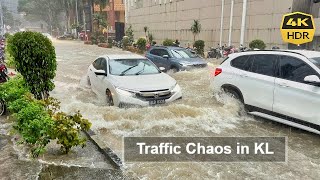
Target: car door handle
[
  {"x": 283, "y": 85},
  {"x": 244, "y": 75}
]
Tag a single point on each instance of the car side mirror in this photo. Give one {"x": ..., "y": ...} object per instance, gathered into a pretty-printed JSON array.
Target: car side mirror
[
  {"x": 312, "y": 79},
  {"x": 165, "y": 56},
  {"x": 162, "y": 69},
  {"x": 100, "y": 73}
]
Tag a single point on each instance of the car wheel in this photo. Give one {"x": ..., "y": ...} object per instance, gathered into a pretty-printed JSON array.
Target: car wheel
[
  {"x": 2, "y": 108},
  {"x": 237, "y": 95},
  {"x": 109, "y": 98},
  {"x": 174, "y": 69}
]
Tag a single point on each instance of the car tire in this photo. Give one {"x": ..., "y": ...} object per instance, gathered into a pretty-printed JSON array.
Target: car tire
[
  {"x": 238, "y": 96},
  {"x": 2, "y": 108},
  {"x": 174, "y": 69},
  {"x": 109, "y": 98}
]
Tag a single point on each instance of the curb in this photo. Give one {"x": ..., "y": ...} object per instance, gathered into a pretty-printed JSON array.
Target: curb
[{"x": 104, "y": 149}]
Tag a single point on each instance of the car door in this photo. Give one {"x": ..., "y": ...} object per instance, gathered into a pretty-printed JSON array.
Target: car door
[
  {"x": 292, "y": 96},
  {"x": 101, "y": 79},
  {"x": 256, "y": 81},
  {"x": 159, "y": 60},
  {"x": 93, "y": 77},
  {"x": 154, "y": 55}
]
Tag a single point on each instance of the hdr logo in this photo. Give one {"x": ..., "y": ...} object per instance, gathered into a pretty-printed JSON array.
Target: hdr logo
[{"x": 297, "y": 28}]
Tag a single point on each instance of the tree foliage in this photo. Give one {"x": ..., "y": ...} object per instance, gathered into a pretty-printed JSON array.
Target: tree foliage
[
  {"x": 195, "y": 29},
  {"x": 129, "y": 33},
  {"x": 141, "y": 44},
  {"x": 40, "y": 121},
  {"x": 44, "y": 10},
  {"x": 257, "y": 44},
  {"x": 35, "y": 59},
  {"x": 102, "y": 3},
  {"x": 168, "y": 42},
  {"x": 199, "y": 46}
]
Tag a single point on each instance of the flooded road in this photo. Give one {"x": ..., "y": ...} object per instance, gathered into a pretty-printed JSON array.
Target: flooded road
[{"x": 197, "y": 114}]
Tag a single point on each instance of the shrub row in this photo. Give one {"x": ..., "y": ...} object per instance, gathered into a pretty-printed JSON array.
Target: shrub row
[{"x": 40, "y": 121}]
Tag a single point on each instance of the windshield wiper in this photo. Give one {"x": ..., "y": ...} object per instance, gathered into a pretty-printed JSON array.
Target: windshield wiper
[
  {"x": 125, "y": 71},
  {"x": 138, "y": 73}
]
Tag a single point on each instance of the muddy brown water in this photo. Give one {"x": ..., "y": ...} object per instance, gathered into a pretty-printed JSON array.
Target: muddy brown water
[{"x": 197, "y": 114}]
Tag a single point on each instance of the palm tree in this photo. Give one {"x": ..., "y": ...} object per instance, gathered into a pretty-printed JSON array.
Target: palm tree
[
  {"x": 145, "y": 30},
  {"x": 195, "y": 29}
]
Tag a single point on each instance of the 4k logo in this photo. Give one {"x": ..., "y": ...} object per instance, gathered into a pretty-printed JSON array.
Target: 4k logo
[{"x": 297, "y": 28}]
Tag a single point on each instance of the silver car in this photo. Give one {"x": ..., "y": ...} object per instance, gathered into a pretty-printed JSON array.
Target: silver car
[{"x": 131, "y": 79}]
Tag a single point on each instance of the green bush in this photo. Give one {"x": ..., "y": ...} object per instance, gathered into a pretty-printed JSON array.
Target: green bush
[
  {"x": 141, "y": 44},
  {"x": 110, "y": 41},
  {"x": 257, "y": 44},
  {"x": 126, "y": 42},
  {"x": 35, "y": 59},
  {"x": 129, "y": 33},
  {"x": 168, "y": 42},
  {"x": 40, "y": 121},
  {"x": 102, "y": 39},
  {"x": 199, "y": 46}
]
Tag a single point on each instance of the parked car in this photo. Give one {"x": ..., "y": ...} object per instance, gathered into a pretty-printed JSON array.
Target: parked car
[
  {"x": 283, "y": 86},
  {"x": 127, "y": 80},
  {"x": 47, "y": 35},
  {"x": 175, "y": 58},
  {"x": 65, "y": 36}
]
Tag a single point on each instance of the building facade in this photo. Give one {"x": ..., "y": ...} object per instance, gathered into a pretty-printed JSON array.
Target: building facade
[
  {"x": 173, "y": 19},
  {"x": 115, "y": 12}
]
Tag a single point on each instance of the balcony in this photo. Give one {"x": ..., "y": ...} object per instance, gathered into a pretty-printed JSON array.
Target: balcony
[{"x": 117, "y": 7}]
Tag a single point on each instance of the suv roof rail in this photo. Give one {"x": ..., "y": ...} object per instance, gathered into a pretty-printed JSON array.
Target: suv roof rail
[{"x": 280, "y": 50}]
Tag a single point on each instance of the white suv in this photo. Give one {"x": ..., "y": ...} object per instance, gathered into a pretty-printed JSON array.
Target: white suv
[{"x": 283, "y": 86}]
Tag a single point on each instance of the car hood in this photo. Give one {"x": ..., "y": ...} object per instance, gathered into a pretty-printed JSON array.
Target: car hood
[
  {"x": 191, "y": 61},
  {"x": 143, "y": 82}
]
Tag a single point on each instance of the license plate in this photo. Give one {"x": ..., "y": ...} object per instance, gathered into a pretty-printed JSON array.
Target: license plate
[{"x": 158, "y": 101}]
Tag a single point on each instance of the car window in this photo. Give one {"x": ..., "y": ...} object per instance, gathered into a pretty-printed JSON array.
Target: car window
[
  {"x": 182, "y": 53},
  {"x": 96, "y": 64},
  {"x": 264, "y": 64},
  {"x": 159, "y": 52},
  {"x": 315, "y": 61},
  {"x": 130, "y": 67},
  {"x": 294, "y": 69},
  {"x": 242, "y": 62}
]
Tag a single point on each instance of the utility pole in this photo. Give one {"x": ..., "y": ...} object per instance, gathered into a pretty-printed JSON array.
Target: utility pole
[
  {"x": 77, "y": 13},
  {"x": 243, "y": 23},
  {"x": 221, "y": 25},
  {"x": 1, "y": 20},
  {"x": 231, "y": 23}
]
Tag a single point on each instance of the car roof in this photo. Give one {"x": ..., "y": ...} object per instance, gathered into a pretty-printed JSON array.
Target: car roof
[
  {"x": 123, "y": 56},
  {"x": 167, "y": 47},
  {"x": 306, "y": 53}
]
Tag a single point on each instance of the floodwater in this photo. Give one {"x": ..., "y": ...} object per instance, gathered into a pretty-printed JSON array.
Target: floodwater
[{"x": 197, "y": 114}]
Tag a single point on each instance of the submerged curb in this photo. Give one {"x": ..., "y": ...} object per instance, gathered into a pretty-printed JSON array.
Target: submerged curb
[{"x": 104, "y": 149}]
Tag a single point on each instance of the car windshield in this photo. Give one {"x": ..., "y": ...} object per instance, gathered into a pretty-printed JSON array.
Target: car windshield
[
  {"x": 129, "y": 67},
  {"x": 183, "y": 53},
  {"x": 316, "y": 61}
]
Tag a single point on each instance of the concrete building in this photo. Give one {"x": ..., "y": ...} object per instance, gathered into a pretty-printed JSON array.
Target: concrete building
[
  {"x": 115, "y": 11},
  {"x": 173, "y": 19}
]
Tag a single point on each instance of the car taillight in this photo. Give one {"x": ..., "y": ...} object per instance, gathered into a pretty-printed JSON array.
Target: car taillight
[{"x": 217, "y": 71}]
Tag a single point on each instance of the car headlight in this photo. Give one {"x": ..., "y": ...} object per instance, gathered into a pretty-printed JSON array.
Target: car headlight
[
  {"x": 125, "y": 92},
  {"x": 176, "y": 88},
  {"x": 184, "y": 64}
]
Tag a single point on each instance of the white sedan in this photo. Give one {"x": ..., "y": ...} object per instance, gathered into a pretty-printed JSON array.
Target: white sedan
[{"x": 127, "y": 80}]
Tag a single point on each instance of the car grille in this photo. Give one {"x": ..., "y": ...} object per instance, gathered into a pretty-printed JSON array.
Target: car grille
[{"x": 154, "y": 95}]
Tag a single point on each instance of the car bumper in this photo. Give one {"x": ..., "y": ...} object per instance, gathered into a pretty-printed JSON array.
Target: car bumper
[
  {"x": 129, "y": 101},
  {"x": 195, "y": 66}
]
